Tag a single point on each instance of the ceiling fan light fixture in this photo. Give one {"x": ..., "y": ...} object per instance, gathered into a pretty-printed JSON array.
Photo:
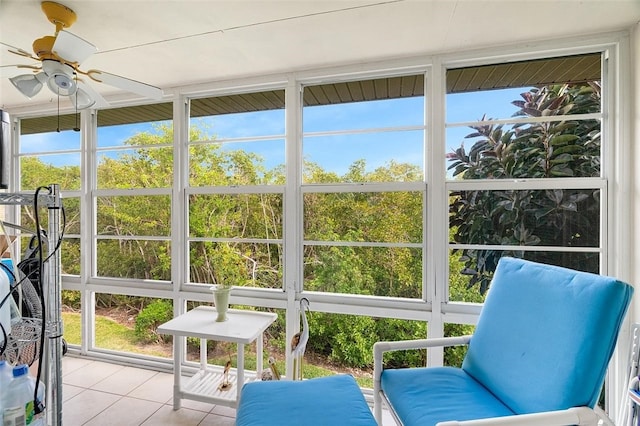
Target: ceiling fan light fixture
[
  {"x": 60, "y": 78},
  {"x": 28, "y": 84},
  {"x": 62, "y": 84}
]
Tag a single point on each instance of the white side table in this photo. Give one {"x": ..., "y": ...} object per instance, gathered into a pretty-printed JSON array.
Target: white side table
[{"x": 242, "y": 327}]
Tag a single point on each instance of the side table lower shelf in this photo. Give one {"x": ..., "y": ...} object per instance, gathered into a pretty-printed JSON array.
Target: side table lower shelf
[{"x": 204, "y": 387}]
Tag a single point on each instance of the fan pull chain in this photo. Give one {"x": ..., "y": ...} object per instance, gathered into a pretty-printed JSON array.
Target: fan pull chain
[
  {"x": 77, "y": 128},
  {"x": 58, "y": 129}
]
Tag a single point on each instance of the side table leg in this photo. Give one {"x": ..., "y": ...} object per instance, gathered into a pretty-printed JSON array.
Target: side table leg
[
  {"x": 259, "y": 345},
  {"x": 178, "y": 343},
  {"x": 240, "y": 371}
]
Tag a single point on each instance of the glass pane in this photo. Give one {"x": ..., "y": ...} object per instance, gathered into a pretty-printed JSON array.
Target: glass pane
[
  {"x": 128, "y": 324},
  {"x": 71, "y": 317},
  {"x": 70, "y": 256},
  {"x": 145, "y": 215},
  {"x": 243, "y": 139},
  {"x": 485, "y": 104},
  {"x": 135, "y": 134},
  {"x": 248, "y": 124},
  {"x": 554, "y": 217},
  {"x": 238, "y": 264},
  {"x": 364, "y": 115},
  {"x": 364, "y": 157},
  {"x": 378, "y": 271},
  {"x": 236, "y": 216},
  {"x": 50, "y": 141},
  {"x": 525, "y": 150},
  {"x": 136, "y": 168},
  {"x": 343, "y": 137},
  {"x": 341, "y": 343},
  {"x": 71, "y": 206},
  {"x": 63, "y": 169},
  {"x": 239, "y": 163},
  {"x": 364, "y": 216},
  {"x": 454, "y": 355},
  {"x": 471, "y": 270},
  {"x": 538, "y": 89},
  {"x": 134, "y": 258}
]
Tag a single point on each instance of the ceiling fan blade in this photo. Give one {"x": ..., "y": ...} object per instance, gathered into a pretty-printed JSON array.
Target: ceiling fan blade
[
  {"x": 127, "y": 84},
  {"x": 18, "y": 51},
  {"x": 15, "y": 69},
  {"x": 72, "y": 48},
  {"x": 98, "y": 100}
]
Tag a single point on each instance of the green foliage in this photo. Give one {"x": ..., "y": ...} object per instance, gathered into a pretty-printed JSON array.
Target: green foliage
[
  {"x": 149, "y": 318},
  {"x": 348, "y": 340},
  {"x": 564, "y": 148},
  {"x": 71, "y": 299}
]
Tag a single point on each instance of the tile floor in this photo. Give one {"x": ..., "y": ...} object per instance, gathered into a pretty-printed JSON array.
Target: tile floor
[{"x": 98, "y": 393}]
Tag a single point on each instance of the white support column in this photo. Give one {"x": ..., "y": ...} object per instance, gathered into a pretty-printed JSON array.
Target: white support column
[
  {"x": 88, "y": 249},
  {"x": 293, "y": 234},
  {"x": 437, "y": 229}
]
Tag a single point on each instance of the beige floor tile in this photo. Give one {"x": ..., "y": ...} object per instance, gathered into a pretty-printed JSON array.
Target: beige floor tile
[
  {"x": 182, "y": 417},
  {"x": 214, "y": 420},
  {"x": 86, "y": 405},
  {"x": 125, "y": 412},
  {"x": 69, "y": 391},
  {"x": 124, "y": 381},
  {"x": 205, "y": 407},
  {"x": 158, "y": 388},
  {"x": 221, "y": 410},
  {"x": 71, "y": 364},
  {"x": 91, "y": 374}
]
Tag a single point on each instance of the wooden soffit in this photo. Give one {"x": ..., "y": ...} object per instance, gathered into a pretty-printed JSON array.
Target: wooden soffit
[{"x": 570, "y": 69}]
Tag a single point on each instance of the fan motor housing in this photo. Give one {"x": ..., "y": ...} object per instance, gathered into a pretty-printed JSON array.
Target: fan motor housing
[{"x": 43, "y": 46}]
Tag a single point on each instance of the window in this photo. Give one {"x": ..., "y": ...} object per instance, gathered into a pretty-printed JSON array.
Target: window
[
  {"x": 524, "y": 176},
  {"x": 50, "y": 152},
  {"x": 236, "y": 189},
  {"x": 134, "y": 175},
  {"x": 363, "y": 190}
]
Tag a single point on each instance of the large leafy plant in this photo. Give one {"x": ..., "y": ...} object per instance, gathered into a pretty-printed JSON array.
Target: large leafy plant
[{"x": 527, "y": 217}]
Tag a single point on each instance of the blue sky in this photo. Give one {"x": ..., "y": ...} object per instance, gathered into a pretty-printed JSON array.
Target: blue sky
[{"x": 332, "y": 152}]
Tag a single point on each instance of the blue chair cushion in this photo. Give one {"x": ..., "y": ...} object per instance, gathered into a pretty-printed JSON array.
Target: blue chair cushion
[
  {"x": 426, "y": 396},
  {"x": 545, "y": 335},
  {"x": 331, "y": 400}
]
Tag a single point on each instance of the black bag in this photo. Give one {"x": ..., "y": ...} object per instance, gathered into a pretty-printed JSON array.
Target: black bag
[{"x": 29, "y": 267}]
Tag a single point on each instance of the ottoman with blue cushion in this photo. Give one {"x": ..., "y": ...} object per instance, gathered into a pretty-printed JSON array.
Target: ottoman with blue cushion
[{"x": 334, "y": 400}]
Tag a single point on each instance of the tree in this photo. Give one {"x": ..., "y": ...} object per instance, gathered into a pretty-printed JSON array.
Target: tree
[{"x": 550, "y": 149}]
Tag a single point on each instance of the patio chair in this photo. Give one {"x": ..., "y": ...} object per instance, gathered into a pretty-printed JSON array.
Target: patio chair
[{"x": 538, "y": 356}]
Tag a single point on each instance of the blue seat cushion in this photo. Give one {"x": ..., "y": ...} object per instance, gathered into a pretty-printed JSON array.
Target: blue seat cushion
[
  {"x": 331, "y": 400},
  {"x": 426, "y": 396}
]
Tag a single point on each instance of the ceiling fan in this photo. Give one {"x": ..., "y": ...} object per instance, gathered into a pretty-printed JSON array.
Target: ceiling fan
[{"x": 60, "y": 57}]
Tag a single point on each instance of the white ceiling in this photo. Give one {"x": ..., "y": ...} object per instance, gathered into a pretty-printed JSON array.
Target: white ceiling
[{"x": 175, "y": 43}]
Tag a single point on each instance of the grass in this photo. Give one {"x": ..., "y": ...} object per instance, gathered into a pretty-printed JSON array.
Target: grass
[
  {"x": 115, "y": 336},
  {"x": 109, "y": 335}
]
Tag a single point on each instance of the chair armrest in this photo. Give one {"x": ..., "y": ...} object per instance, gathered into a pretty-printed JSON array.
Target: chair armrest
[
  {"x": 403, "y": 345},
  {"x": 583, "y": 416},
  {"x": 379, "y": 348}
]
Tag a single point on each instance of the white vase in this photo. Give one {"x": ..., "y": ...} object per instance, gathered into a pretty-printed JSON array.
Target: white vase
[{"x": 221, "y": 301}]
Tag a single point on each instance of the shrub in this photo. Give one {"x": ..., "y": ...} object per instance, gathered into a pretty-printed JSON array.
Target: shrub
[{"x": 149, "y": 318}]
